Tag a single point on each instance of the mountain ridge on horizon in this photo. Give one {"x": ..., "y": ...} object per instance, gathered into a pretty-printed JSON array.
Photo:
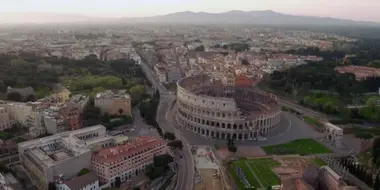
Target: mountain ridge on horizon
[{"x": 268, "y": 17}]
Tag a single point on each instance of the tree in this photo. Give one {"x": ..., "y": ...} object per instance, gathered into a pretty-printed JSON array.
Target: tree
[
  {"x": 244, "y": 62},
  {"x": 176, "y": 144},
  {"x": 200, "y": 48},
  {"x": 376, "y": 150},
  {"x": 371, "y": 102},
  {"x": 232, "y": 149},
  {"x": 18, "y": 62},
  {"x": 51, "y": 186},
  {"x": 3, "y": 168},
  {"x": 83, "y": 172},
  {"x": 136, "y": 92},
  {"x": 376, "y": 185},
  {"x": 170, "y": 136},
  {"x": 162, "y": 160},
  {"x": 14, "y": 96},
  {"x": 117, "y": 182},
  {"x": 153, "y": 172},
  {"x": 364, "y": 138}
]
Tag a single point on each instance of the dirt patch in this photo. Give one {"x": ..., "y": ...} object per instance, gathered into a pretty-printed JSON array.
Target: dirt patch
[
  {"x": 243, "y": 151},
  {"x": 208, "y": 181},
  {"x": 354, "y": 143}
]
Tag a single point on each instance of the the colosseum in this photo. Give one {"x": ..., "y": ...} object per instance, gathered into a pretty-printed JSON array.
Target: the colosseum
[{"x": 213, "y": 110}]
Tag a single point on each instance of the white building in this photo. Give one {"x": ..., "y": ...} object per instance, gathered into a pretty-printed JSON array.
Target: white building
[
  {"x": 88, "y": 181},
  {"x": 5, "y": 122},
  {"x": 161, "y": 73},
  {"x": 18, "y": 112},
  {"x": 63, "y": 154},
  {"x": 53, "y": 122}
]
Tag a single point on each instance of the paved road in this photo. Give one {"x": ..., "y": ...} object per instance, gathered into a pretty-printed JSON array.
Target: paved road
[
  {"x": 141, "y": 128},
  {"x": 185, "y": 173},
  {"x": 301, "y": 109}
]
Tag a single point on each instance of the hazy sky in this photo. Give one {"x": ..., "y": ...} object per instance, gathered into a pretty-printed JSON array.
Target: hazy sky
[{"x": 349, "y": 9}]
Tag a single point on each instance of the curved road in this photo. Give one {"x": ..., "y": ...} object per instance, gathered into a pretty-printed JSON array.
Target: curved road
[{"x": 185, "y": 173}]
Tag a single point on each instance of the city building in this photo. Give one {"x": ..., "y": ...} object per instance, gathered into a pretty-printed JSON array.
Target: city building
[
  {"x": 8, "y": 152},
  {"x": 79, "y": 101},
  {"x": 110, "y": 102},
  {"x": 60, "y": 92},
  {"x": 18, "y": 112},
  {"x": 161, "y": 73},
  {"x": 87, "y": 181},
  {"x": 53, "y": 122},
  {"x": 360, "y": 72},
  {"x": 5, "y": 122},
  {"x": 329, "y": 179},
  {"x": 127, "y": 160},
  {"x": 72, "y": 116},
  {"x": 174, "y": 75},
  {"x": 63, "y": 154}
]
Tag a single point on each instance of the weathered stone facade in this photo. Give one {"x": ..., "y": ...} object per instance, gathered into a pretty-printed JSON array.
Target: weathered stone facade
[{"x": 221, "y": 112}]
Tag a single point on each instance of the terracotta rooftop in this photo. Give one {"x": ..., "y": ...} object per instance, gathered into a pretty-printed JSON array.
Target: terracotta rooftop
[{"x": 116, "y": 153}]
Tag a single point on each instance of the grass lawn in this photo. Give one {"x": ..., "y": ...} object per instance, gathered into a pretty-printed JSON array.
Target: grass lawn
[
  {"x": 251, "y": 179},
  {"x": 364, "y": 157},
  {"x": 171, "y": 87},
  {"x": 319, "y": 162},
  {"x": 313, "y": 121},
  {"x": 263, "y": 170},
  {"x": 299, "y": 146}
]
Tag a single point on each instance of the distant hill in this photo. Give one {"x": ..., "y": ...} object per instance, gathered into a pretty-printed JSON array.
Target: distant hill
[{"x": 266, "y": 17}]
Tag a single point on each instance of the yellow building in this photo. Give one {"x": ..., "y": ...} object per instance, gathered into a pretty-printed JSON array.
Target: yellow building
[
  {"x": 61, "y": 92},
  {"x": 118, "y": 103}
]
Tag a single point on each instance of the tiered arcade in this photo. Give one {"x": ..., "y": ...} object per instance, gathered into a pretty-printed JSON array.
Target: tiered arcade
[{"x": 210, "y": 109}]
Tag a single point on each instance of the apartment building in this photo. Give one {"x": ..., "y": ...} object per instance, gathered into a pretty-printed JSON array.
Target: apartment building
[
  {"x": 63, "y": 154},
  {"x": 18, "y": 112},
  {"x": 79, "y": 101},
  {"x": 127, "y": 160},
  {"x": 54, "y": 123},
  {"x": 174, "y": 75},
  {"x": 161, "y": 73},
  {"x": 5, "y": 122},
  {"x": 87, "y": 181},
  {"x": 360, "y": 72},
  {"x": 118, "y": 103},
  {"x": 72, "y": 116}
]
